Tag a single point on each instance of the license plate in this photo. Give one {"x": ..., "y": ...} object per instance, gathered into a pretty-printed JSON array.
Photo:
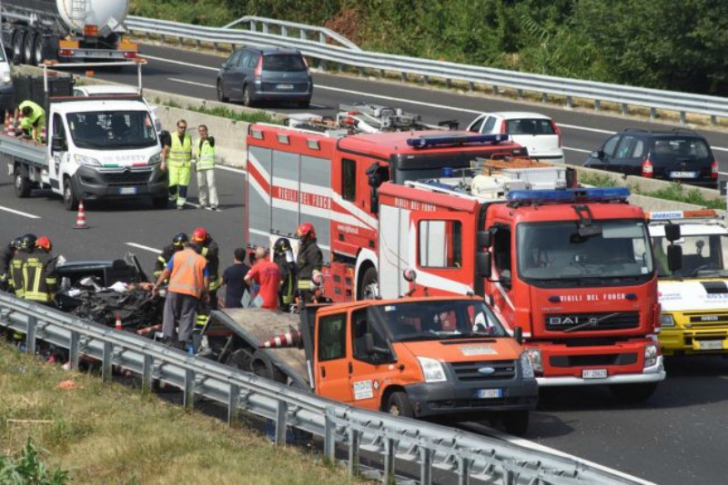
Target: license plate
[
  {"x": 127, "y": 190},
  {"x": 285, "y": 86},
  {"x": 683, "y": 175},
  {"x": 488, "y": 393},
  {"x": 594, "y": 373},
  {"x": 710, "y": 345}
]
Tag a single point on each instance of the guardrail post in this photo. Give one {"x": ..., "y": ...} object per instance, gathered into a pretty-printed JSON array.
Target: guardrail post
[
  {"x": 496, "y": 90},
  {"x": 425, "y": 466},
  {"x": 302, "y": 34},
  {"x": 30, "y": 335},
  {"x": 389, "y": 447},
  {"x": 354, "y": 441},
  {"x": 519, "y": 93},
  {"x": 653, "y": 113},
  {"x": 330, "y": 435},
  {"x": 569, "y": 102},
  {"x": 683, "y": 119},
  {"x": 471, "y": 86},
  {"x": 597, "y": 105},
  {"x": 544, "y": 98},
  {"x": 463, "y": 471},
  {"x": 233, "y": 399},
  {"x": 425, "y": 80},
  {"x": 403, "y": 76},
  {"x": 106, "y": 371},
  {"x": 189, "y": 389},
  {"x": 284, "y": 31},
  {"x": 147, "y": 373},
  {"x": 713, "y": 120},
  {"x": 625, "y": 109},
  {"x": 73, "y": 350},
  {"x": 281, "y": 410}
]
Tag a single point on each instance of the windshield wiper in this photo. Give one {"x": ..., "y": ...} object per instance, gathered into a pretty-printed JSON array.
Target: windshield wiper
[
  {"x": 417, "y": 336},
  {"x": 591, "y": 323}
]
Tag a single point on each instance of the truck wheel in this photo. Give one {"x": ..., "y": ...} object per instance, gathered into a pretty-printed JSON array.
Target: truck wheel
[
  {"x": 220, "y": 93},
  {"x": 28, "y": 47},
  {"x": 160, "y": 202},
  {"x": 633, "y": 393},
  {"x": 22, "y": 185},
  {"x": 247, "y": 100},
  {"x": 369, "y": 289},
  {"x": 263, "y": 367},
  {"x": 18, "y": 45},
  {"x": 399, "y": 404},
  {"x": 38, "y": 50},
  {"x": 240, "y": 359},
  {"x": 70, "y": 201},
  {"x": 516, "y": 422}
]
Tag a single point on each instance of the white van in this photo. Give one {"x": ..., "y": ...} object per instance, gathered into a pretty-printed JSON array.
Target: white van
[{"x": 112, "y": 89}]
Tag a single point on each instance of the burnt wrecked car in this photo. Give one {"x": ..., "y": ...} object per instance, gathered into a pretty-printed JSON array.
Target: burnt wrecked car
[{"x": 109, "y": 291}]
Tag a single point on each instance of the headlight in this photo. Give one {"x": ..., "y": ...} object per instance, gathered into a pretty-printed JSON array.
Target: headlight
[
  {"x": 155, "y": 159},
  {"x": 432, "y": 369},
  {"x": 535, "y": 358},
  {"x": 527, "y": 366},
  {"x": 7, "y": 79},
  {"x": 651, "y": 354},
  {"x": 667, "y": 320},
  {"x": 84, "y": 160}
]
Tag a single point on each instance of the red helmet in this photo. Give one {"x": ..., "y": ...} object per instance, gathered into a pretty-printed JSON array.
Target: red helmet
[
  {"x": 199, "y": 235},
  {"x": 306, "y": 230},
  {"x": 44, "y": 243}
]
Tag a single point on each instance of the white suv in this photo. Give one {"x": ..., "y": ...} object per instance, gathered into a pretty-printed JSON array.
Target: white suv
[{"x": 536, "y": 132}]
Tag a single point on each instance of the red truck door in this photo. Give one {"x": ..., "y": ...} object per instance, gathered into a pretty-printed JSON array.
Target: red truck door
[
  {"x": 500, "y": 287},
  {"x": 332, "y": 365}
]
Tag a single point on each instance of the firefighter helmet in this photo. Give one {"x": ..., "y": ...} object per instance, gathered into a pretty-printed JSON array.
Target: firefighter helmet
[
  {"x": 179, "y": 240},
  {"x": 199, "y": 235},
  {"x": 281, "y": 246},
  {"x": 16, "y": 243},
  {"x": 306, "y": 230},
  {"x": 44, "y": 243},
  {"x": 28, "y": 241}
]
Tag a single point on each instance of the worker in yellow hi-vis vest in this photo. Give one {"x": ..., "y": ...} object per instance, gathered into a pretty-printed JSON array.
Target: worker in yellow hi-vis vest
[
  {"x": 205, "y": 168},
  {"x": 178, "y": 156}
]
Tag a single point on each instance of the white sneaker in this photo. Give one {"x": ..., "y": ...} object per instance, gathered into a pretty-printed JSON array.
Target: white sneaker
[{"x": 209, "y": 208}]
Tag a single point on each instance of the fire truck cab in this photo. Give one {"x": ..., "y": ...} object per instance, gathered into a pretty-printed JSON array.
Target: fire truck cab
[{"x": 572, "y": 267}]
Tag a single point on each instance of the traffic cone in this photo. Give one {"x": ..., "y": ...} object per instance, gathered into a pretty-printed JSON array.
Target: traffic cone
[
  {"x": 80, "y": 217},
  {"x": 117, "y": 325},
  {"x": 292, "y": 338},
  {"x": 9, "y": 124}
]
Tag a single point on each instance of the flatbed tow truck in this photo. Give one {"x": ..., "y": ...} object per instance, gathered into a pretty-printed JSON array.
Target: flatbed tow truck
[{"x": 446, "y": 357}]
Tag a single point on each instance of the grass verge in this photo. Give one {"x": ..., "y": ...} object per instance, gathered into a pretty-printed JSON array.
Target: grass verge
[{"x": 112, "y": 434}]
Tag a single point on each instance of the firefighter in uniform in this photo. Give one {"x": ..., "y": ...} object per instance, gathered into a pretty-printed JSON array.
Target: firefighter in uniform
[
  {"x": 33, "y": 120},
  {"x": 178, "y": 155},
  {"x": 40, "y": 281},
  {"x": 17, "y": 264},
  {"x": 309, "y": 263},
  {"x": 283, "y": 257},
  {"x": 178, "y": 244},
  {"x": 205, "y": 168},
  {"x": 7, "y": 256},
  {"x": 208, "y": 248}
]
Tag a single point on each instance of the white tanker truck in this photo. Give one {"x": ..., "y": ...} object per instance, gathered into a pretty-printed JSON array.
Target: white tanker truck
[{"x": 67, "y": 30}]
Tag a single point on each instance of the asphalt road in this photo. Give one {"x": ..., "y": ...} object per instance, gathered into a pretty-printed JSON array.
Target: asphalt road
[{"x": 678, "y": 437}]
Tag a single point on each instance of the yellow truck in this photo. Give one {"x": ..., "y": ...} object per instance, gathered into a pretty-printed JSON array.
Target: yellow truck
[{"x": 693, "y": 290}]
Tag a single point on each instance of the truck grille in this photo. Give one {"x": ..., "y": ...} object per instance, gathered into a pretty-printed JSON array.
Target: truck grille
[
  {"x": 708, "y": 320},
  {"x": 470, "y": 371},
  {"x": 592, "y": 360},
  {"x": 617, "y": 322},
  {"x": 126, "y": 177}
]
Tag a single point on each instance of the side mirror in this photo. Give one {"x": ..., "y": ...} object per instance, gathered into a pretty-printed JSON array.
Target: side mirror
[
  {"x": 58, "y": 143},
  {"x": 505, "y": 279},
  {"x": 224, "y": 65},
  {"x": 674, "y": 257},
  {"x": 370, "y": 348},
  {"x": 518, "y": 335},
  {"x": 483, "y": 263},
  {"x": 597, "y": 154},
  {"x": 672, "y": 232}
]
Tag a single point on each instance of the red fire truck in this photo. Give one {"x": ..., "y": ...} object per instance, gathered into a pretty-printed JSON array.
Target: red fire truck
[{"x": 572, "y": 267}]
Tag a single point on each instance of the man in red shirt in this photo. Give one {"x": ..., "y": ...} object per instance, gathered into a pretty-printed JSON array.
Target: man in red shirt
[{"x": 267, "y": 275}]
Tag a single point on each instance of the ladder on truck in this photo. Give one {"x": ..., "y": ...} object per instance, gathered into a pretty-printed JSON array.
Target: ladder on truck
[
  {"x": 366, "y": 118},
  {"x": 78, "y": 14}
]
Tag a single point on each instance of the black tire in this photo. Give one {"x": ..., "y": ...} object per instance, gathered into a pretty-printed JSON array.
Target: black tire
[
  {"x": 516, "y": 422},
  {"x": 633, "y": 393},
  {"x": 160, "y": 202},
  {"x": 22, "y": 185},
  {"x": 220, "y": 93},
  {"x": 240, "y": 359},
  {"x": 70, "y": 200},
  {"x": 38, "y": 50},
  {"x": 369, "y": 288},
  {"x": 28, "y": 47},
  {"x": 398, "y": 404},
  {"x": 306, "y": 103},
  {"x": 263, "y": 367},
  {"x": 19, "y": 45},
  {"x": 247, "y": 100}
]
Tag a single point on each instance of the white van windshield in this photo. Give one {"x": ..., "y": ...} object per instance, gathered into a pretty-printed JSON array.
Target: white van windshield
[{"x": 112, "y": 130}]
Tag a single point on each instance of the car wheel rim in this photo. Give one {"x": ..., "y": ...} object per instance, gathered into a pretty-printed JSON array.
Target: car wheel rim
[
  {"x": 18, "y": 182},
  {"x": 394, "y": 410}
]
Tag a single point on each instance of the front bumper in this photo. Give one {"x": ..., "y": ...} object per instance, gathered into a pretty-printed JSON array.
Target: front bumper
[
  {"x": 457, "y": 399},
  {"x": 655, "y": 373},
  {"x": 91, "y": 184},
  {"x": 683, "y": 341}
]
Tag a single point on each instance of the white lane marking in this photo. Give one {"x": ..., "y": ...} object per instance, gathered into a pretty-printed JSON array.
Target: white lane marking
[
  {"x": 145, "y": 248},
  {"x": 203, "y": 85},
  {"x": 409, "y": 101},
  {"x": 19, "y": 213},
  {"x": 230, "y": 169},
  {"x": 536, "y": 446},
  {"x": 581, "y": 150}
]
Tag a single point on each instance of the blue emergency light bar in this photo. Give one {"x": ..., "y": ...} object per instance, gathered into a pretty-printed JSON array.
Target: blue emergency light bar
[
  {"x": 568, "y": 195},
  {"x": 430, "y": 141}
]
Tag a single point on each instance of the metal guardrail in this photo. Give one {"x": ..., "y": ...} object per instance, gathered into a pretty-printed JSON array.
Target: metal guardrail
[
  {"x": 426, "y": 69},
  {"x": 429, "y": 447}
]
